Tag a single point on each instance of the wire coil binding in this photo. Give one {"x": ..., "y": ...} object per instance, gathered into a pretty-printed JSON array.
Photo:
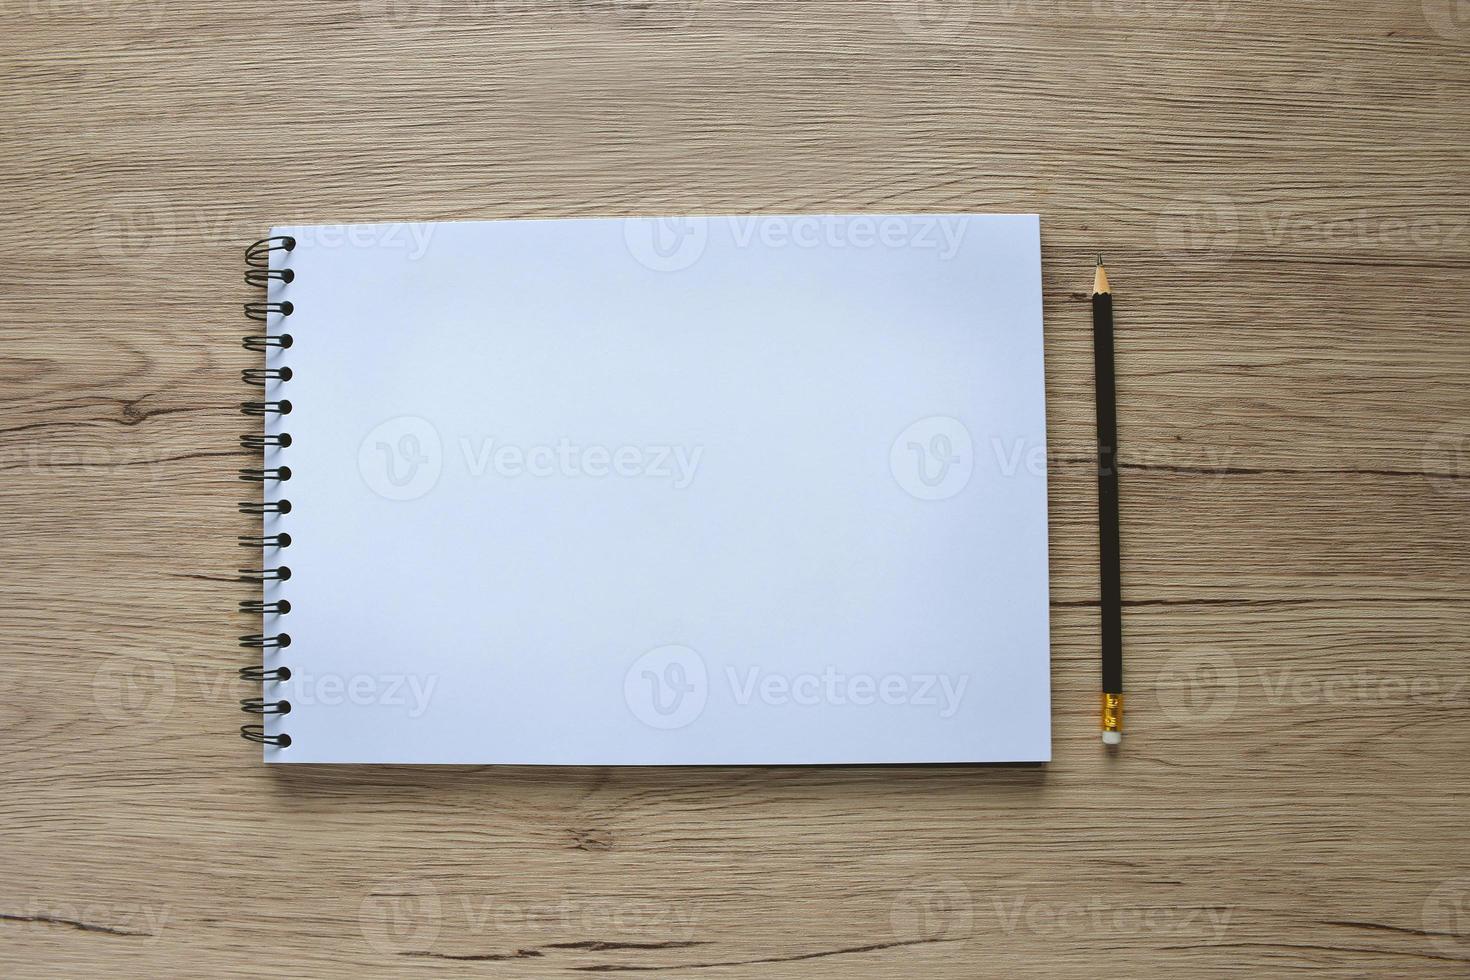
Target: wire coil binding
[
  {"x": 282, "y": 540},
  {"x": 258, "y": 256},
  {"x": 268, "y": 642},
  {"x": 259, "y": 376},
  {"x": 279, "y": 407},
  {"x": 259, "y": 607},
  {"x": 260, "y": 706},
  {"x": 261, "y": 311},
  {"x": 257, "y": 507},
  {"x": 259, "y": 675},
  {"x": 256, "y": 733},
  {"x": 270, "y": 473},
  {"x": 257, "y": 441},
  {"x": 260, "y": 641},
  {"x": 263, "y": 277},
  {"x": 262, "y": 343}
]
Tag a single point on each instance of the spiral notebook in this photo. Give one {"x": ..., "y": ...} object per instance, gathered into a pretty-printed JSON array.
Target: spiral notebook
[{"x": 676, "y": 491}]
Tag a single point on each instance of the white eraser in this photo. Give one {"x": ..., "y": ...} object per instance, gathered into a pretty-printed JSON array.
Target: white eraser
[{"x": 1112, "y": 738}]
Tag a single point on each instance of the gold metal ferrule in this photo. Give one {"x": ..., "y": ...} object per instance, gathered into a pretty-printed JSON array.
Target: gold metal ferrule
[{"x": 1112, "y": 713}]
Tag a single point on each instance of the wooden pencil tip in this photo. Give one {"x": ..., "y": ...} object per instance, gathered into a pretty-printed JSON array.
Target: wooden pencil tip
[{"x": 1100, "y": 278}]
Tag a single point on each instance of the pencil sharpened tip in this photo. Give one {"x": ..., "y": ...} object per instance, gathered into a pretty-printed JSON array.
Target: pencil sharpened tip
[{"x": 1099, "y": 258}]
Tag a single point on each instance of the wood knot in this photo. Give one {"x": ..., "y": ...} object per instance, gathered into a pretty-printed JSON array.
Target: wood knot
[
  {"x": 591, "y": 839},
  {"x": 133, "y": 411}
]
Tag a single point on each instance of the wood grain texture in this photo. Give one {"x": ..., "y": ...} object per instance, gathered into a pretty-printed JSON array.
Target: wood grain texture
[{"x": 1283, "y": 192}]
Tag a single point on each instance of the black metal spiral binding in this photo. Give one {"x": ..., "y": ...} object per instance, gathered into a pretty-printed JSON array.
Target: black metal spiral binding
[
  {"x": 257, "y": 441},
  {"x": 259, "y": 607},
  {"x": 269, "y": 473},
  {"x": 260, "y": 674},
  {"x": 259, "y": 376},
  {"x": 263, "y": 277},
  {"x": 260, "y": 706},
  {"x": 260, "y": 311},
  {"x": 281, "y": 407},
  {"x": 282, "y": 540},
  {"x": 256, "y": 733},
  {"x": 260, "y": 274},
  {"x": 259, "y": 641},
  {"x": 257, "y": 508},
  {"x": 279, "y": 574},
  {"x": 260, "y": 343},
  {"x": 258, "y": 256}
]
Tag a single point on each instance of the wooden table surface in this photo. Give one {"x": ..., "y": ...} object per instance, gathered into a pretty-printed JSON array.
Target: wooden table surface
[{"x": 1283, "y": 193}]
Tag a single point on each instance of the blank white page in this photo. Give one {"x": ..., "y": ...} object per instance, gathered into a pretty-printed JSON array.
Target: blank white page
[{"x": 746, "y": 490}]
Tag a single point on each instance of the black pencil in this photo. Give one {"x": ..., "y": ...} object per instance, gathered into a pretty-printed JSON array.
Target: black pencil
[{"x": 1107, "y": 508}]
